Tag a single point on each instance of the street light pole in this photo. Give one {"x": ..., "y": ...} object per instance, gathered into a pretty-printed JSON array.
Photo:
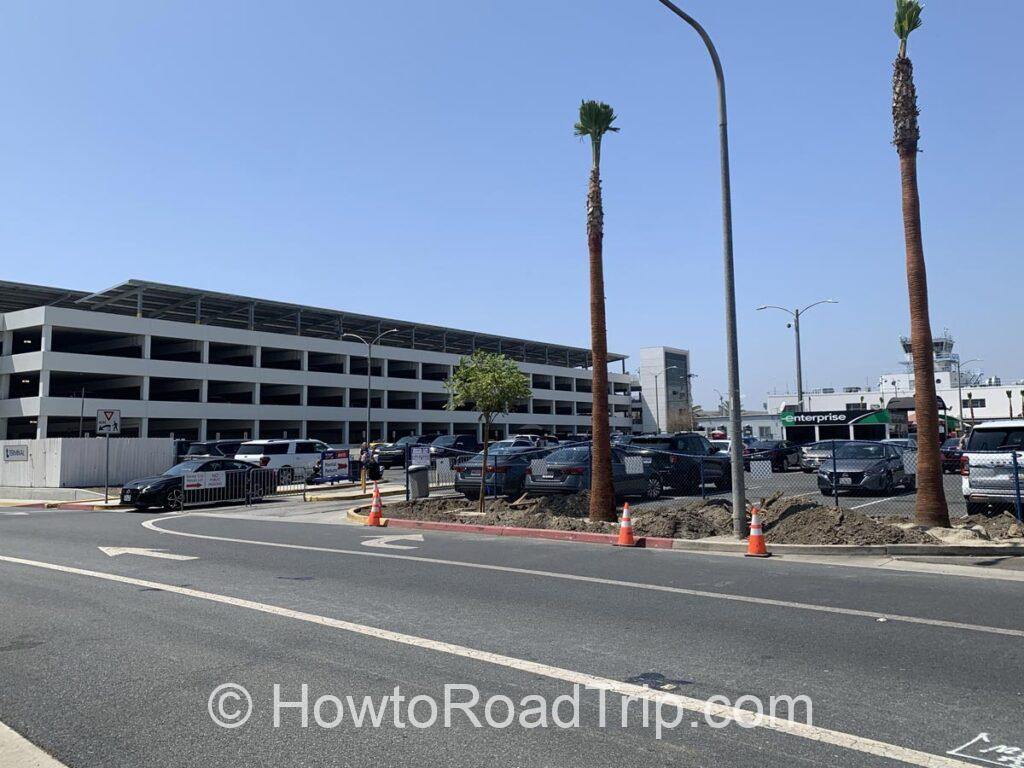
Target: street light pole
[
  {"x": 960, "y": 386},
  {"x": 795, "y": 314},
  {"x": 739, "y": 500},
  {"x": 369, "y": 373}
]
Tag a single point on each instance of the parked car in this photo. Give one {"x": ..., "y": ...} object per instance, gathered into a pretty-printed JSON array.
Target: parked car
[
  {"x": 906, "y": 443},
  {"x": 293, "y": 459},
  {"x": 393, "y": 454},
  {"x": 987, "y": 466},
  {"x": 684, "y": 460},
  {"x": 567, "y": 470},
  {"x": 864, "y": 466},
  {"x": 507, "y": 463},
  {"x": 723, "y": 446},
  {"x": 453, "y": 446},
  {"x": 783, "y": 454},
  {"x": 168, "y": 491},
  {"x": 213, "y": 448},
  {"x": 813, "y": 456},
  {"x": 951, "y": 454}
]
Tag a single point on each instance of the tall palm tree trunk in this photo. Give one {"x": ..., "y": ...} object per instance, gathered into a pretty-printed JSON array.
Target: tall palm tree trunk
[
  {"x": 930, "y": 507},
  {"x": 602, "y": 494}
]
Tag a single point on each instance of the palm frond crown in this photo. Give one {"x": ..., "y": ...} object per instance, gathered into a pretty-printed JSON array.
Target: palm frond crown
[
  {"x": 595, "y": 121},
  {"x": 908, "y": 18}
]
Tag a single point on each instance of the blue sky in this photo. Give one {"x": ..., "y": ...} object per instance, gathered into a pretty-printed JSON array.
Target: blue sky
[{"x": 416, "y": 160}]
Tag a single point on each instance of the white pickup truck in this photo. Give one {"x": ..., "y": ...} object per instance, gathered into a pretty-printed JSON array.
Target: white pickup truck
[{"x": 988, "y": 466}]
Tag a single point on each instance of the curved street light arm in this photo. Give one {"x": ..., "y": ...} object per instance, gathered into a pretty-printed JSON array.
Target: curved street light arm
[{"x": 823, "y": 301}]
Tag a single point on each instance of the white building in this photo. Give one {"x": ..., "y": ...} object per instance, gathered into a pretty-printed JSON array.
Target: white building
[
  {"x": 664, "y": 385},
  {"x": 198, "y": 364},
  {"x": 962, "y": 393}
]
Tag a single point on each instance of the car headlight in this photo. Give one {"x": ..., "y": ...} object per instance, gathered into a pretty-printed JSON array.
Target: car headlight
[{"x": 874, "y": 469}]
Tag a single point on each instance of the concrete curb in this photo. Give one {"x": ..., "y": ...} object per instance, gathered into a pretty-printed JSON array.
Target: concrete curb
[
  {"x": 696, "y": 545},
  {"x": 356, "y": 497}
]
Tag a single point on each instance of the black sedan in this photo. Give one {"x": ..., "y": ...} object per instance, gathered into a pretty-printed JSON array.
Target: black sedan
[
  {"x": 393, "y": 454},
  {"x": 210, "y": 481},
  {"x": 781, "y": 453},
  {"x": 567, "y": 470},
  {"x": 951, "y": 453},
  {"x": 507, "y": 464}
]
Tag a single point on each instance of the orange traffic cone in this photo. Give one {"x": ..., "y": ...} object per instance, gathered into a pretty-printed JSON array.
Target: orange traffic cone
[
  {"x": 755, "y": 544},
  {"x": 625, "y": 529},
  {"x": 375, "y": 508}
]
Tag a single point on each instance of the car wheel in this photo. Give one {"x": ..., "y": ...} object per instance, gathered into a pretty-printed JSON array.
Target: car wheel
[
  {"x": 724, "y": 483},
  {"x": 654, "y": 488},
  {"x": 910, "y": 483},
  {"x": 140, "y": 507},
  {"x": 889, "y": 486},
  {"x": 285, "y": 476},
  {"x": 977, "y": 508},
  {"x": 173, "y": 499}
]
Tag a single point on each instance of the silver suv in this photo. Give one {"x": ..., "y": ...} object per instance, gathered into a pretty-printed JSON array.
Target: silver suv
[{"x": 987, "y": 465}]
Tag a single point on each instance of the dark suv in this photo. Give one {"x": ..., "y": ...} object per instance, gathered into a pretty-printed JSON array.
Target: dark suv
[
  {"x": 453, "y": 446},
  {"x": 684, "y": 460},
  {"x": 393, "y": 455}
]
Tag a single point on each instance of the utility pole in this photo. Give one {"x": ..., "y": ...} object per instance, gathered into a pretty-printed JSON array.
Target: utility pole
[
  {"x": 960, "y": 387},
  {"x": 739, "y": 496},
  {"x": 795, "y": 314},
  {"x": 369, "y": 372}
]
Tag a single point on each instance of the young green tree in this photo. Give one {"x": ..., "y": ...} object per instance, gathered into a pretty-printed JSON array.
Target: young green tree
[
  {"x": 490, "y": 384},
  {"x": 930, "y": 507},
  {"x": 595, "y": 121}
]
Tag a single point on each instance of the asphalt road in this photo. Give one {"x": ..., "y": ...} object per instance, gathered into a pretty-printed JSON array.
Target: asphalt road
[{"x": 111, "y": 660}]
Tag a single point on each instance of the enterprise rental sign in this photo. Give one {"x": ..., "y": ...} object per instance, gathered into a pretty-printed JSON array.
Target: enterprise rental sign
[{"x": 814, "y": 418}]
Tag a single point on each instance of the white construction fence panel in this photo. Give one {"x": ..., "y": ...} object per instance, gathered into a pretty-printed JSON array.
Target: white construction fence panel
[{"x": 77, "y": 462}]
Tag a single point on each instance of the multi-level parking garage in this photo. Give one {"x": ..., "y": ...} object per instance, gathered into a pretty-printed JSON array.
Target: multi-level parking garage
[{"x": 197, "y": 364}]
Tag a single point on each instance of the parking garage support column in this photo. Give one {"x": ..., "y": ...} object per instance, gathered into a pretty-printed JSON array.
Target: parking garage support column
[
  {"x": 147, "y": 347},
  {"x": 5, "y": 385},
  {"x": 204, "y": 353}
]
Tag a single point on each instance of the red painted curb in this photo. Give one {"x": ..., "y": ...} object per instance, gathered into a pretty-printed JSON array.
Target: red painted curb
[{"x": 528, "y": 533}]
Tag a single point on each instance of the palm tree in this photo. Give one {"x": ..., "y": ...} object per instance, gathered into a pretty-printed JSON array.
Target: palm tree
[
  {"x": 930, "y": 508},
  {"x": 595, "y": 121}
]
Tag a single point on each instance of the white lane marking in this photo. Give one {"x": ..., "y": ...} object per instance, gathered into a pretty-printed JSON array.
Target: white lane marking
[
  {"x": 144, "y": 552},
  {"x": 758, "y": 601},
  {"x": 747, "y": 717},
  {"x": 876, "y": 501},
  {"x": 18, "y": 752},
  {"x": 384, "y": 542}
]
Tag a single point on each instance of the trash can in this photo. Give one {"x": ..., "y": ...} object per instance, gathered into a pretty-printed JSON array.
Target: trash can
[{"x": 419, "y": 481}]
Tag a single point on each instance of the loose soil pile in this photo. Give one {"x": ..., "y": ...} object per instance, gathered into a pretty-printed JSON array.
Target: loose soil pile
[
  {"x": 994, "y": 527},
  {"x": 785, "y": 520}
]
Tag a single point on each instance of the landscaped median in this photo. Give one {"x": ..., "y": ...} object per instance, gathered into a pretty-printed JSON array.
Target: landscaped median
[{"x": 791, "y": 526}]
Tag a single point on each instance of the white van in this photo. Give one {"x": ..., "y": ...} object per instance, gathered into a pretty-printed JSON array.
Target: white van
[{"x": 293, "y": 459}]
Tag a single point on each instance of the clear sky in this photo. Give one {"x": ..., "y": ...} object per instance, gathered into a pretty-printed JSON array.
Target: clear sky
[{"x": 416, "y": 160}]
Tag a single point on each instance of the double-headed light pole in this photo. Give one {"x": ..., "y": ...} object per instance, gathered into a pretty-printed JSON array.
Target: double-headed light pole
[
  {"x": 739, "y": 500},
  {"x": 369, "y": 372},
  {"x": 796, "y": 314}
]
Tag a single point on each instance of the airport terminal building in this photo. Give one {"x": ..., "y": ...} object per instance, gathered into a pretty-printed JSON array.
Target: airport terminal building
[{"x": 201, "y": 365}]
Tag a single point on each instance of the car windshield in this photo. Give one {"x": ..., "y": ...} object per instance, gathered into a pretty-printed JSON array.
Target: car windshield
[
  {"x": 578, "y": 454},
  {"x": 410, "y": 440},
  {"x": 765, "y": 445},
  {"x": 184, "y": 468},
  {"x": 859, "y": 451},
  {"x": 662, "y": 443},
  {"x": 994, "y": 439},
  {"x": 951, "y": 442},
  {"x": 444, "y": 440},
  {"x": 198, "y": 449}
]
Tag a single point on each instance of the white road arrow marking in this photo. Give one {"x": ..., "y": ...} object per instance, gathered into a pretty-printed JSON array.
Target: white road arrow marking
[
  {"x": 384, "y": 542},
  {"x": 115, "y": 551}
]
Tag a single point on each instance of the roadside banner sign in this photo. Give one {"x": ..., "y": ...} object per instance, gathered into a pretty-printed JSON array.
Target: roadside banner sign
[
  {"x": 16, "y": 452},
  {"x": 196, "y": 481},
  {"x": 334, "y": 465},
  {"x": 419, "y": 455},
  {"x": 108, "y": 421}
]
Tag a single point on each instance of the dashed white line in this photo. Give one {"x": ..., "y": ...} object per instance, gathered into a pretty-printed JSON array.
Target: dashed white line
[
  {"x": 746, "y": 717},
  {"x": 757, "y": 601}
]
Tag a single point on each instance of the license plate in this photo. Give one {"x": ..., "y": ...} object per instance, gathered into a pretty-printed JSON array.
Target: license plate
[
  {"x": 846, "y": 481},
  {"x": 126, "y": 495},
  {"x": 547, "y": 477}
]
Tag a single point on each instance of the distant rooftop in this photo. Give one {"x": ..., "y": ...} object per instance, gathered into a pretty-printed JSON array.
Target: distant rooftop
[{"x": 141, "y": 298}]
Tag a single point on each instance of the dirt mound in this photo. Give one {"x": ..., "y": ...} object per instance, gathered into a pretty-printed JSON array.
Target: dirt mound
[
  {"x": 1001, "y": 526},
  {"x": 786, "y": 520},
  {"x": 694, "y": 520},
  {"x": 812, "y": 524}
]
